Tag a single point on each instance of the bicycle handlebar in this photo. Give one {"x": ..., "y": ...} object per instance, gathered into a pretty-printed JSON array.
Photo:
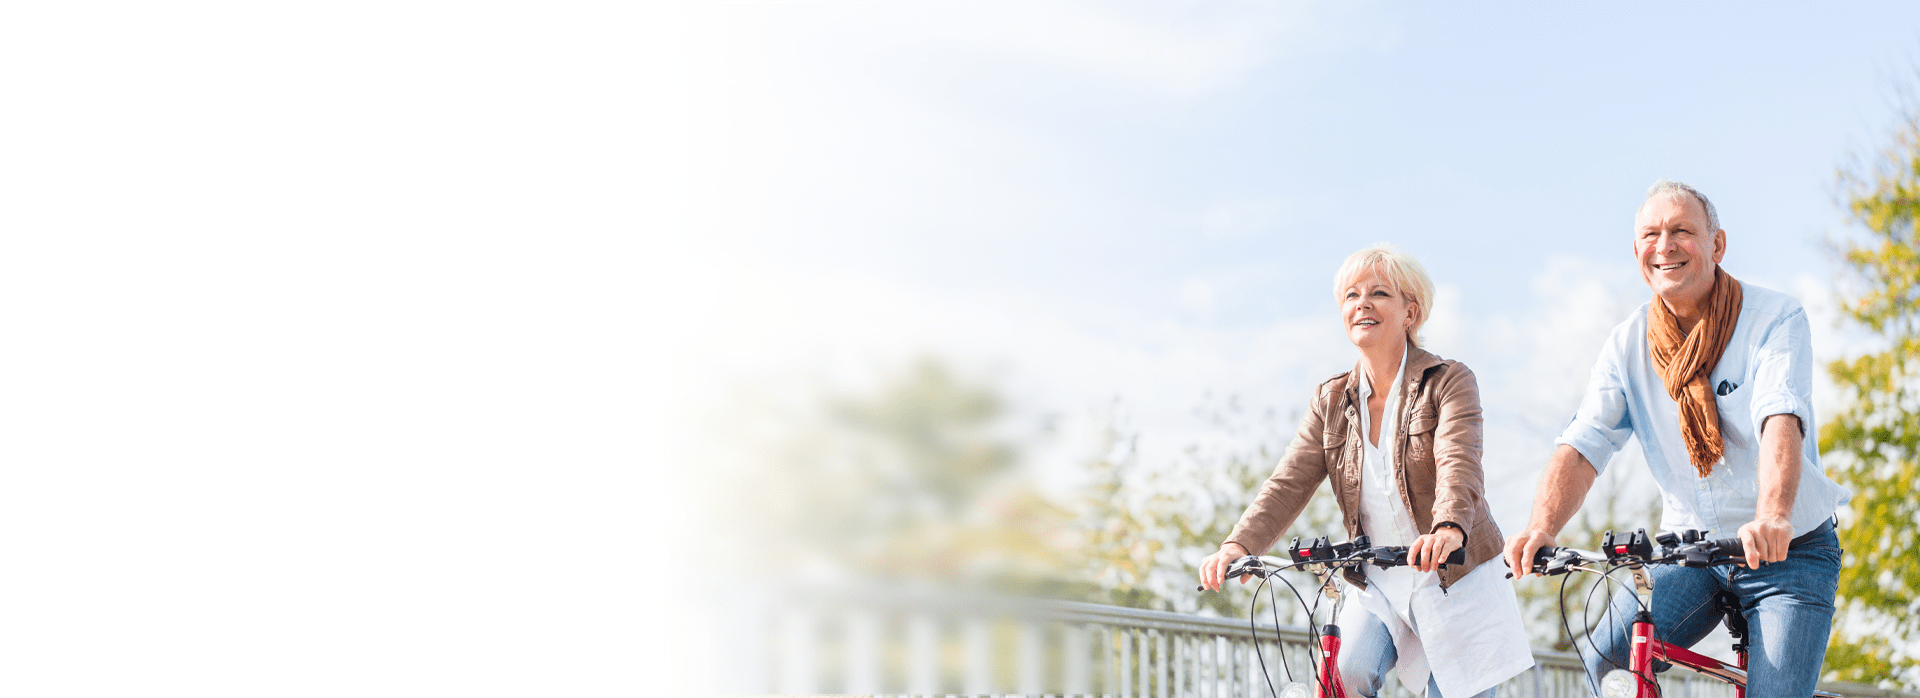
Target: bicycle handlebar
[
  {"x": 1320, "y": 551},
  {"x": 1685, "y": 548}
]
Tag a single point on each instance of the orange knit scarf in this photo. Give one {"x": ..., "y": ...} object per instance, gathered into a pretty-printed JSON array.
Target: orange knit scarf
[{"x": 1685, "y": 361}]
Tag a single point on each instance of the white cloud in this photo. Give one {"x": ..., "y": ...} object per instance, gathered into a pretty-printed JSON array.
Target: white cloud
[{"x": 1196, "y": 295}]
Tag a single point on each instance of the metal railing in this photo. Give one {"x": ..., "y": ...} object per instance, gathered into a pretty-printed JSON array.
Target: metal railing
[{"x": 892, "y": 643}]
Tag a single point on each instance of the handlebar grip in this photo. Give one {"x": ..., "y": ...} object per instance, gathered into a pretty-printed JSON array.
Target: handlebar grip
[
  {"x": 1397, "y": 556},
  {"x": 1249, "y": 565},
  {"x": 1730, "y": 547},
  {"x": 1543, "y": 558},
  {"x": 1230, "y": 574}
]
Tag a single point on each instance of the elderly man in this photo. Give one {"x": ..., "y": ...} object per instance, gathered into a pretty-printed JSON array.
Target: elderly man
[{"x": 1715, "y": 378}]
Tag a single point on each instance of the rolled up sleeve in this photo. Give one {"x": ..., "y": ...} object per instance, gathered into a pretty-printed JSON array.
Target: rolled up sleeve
[
  {"x": 1602, "y": 425},
  {"x": 1783, "y": 372}
]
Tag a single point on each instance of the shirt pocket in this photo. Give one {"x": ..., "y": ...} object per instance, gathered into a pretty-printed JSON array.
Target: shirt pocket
[
  {"x": 1332, "y": 442},
  {"x": 1420, "y": 432},
  {"x": 1736, "y": 415}
]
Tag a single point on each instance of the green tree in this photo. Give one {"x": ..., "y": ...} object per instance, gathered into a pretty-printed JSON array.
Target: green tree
[
  {"x": 1217, "y": 484},
  {"x": 1873, "y": 444},
  {"x": 916, "y": 476},
  {"x": 1116, "y": 549}
]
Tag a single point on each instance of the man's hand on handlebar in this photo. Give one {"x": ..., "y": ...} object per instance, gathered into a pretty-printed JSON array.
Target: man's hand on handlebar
[
  {"x": 1766, "y": 540},
  {"x": 1430, "y": 550},
  {"x": 1521, "y": 548},
  {"x": 1213, "y": 569}
]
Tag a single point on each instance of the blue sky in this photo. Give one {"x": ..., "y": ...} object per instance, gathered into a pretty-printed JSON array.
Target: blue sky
[{"x": 1483, "y": 138}]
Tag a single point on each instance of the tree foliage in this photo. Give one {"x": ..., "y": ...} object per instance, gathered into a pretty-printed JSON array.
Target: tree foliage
[
  {"x": 914, "y": 477},
  {"x": 1151, "y": 524},
  {"x": 1873, "y": 444},
  {"x": 1558, "y": 611}
]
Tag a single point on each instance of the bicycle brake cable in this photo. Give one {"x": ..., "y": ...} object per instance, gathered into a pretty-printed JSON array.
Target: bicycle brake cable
[
  {"x": 1273, "y": 604},
  {"x": 1313, "y": 631},
  {"x": 1586, "y": 610},
  {"x": 1607, "y": 577},
  {"x": 1313, "y": 628},
  {"x": 1253, "y": 629}
]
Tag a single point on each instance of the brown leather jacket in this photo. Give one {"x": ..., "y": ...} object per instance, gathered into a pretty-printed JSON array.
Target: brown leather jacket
[{"x": 1437, "y": 459}]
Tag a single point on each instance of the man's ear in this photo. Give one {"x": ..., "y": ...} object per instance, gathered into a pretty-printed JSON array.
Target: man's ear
[{"x": 1719, "y": 245}]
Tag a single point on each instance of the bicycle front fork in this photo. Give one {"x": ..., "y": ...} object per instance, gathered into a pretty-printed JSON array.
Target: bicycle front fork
[
  {"x": 1330, "y": 684},
  {"x": 1641, "y": 659}
]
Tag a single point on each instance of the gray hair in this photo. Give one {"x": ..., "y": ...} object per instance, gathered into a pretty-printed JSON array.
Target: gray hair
[{"x": 1672, "y": 191}]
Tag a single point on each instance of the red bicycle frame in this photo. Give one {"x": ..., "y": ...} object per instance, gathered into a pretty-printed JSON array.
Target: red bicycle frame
[{"x": 1647, "y": 647}]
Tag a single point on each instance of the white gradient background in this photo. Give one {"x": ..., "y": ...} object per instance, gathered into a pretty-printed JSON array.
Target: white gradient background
[{"x": 344, "y": 340}]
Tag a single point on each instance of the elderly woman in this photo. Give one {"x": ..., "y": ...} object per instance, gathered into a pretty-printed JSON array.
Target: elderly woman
[{"x": 1400, "y": 437}]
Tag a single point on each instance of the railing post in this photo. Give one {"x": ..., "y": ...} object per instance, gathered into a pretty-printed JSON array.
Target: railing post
[
  {"x": 1144, "y": 637},
  {"x": 863, "y": 652},
  {"x": 977, "y": 636},
  {"x": 1199, "y": 678},
  {"x": 1029, "y": 679},
  {"x": 1079, "y": 679},
  {"x": 1160, "y": 645},
  {"x": 1109, "y": 667},
  {"x": 1179, "y": 665},
  {"x": 800, "y": 642},
  {"x": 1228, "y": 668},
  {"x": 1245, "y": 668},
  {"x": 923, "y": 655},
  {"x": 1200, "y": 643},
  {"x": 1213, "y": 667},
  {"x": 1124, "y": 641}
]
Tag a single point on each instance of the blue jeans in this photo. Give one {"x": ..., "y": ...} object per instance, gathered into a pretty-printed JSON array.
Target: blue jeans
[
  {"x": 1367, "y": 654},
  {"x": 1788, "y": 606}
]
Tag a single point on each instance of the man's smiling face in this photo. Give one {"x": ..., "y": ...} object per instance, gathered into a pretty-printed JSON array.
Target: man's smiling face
[{"x": 1676, "y": 252}]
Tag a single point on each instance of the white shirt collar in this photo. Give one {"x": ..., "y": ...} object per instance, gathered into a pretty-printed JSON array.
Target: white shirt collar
[{"x": 1390, "y": 414}]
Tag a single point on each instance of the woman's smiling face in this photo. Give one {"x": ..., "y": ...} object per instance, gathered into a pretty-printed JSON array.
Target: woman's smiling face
[{"x": 1376, "y": 314}]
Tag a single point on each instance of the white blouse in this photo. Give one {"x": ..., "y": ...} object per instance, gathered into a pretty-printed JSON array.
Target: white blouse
[
  {"x": 1383, "y": 514},
  {"x": 1478, "y": 617}
]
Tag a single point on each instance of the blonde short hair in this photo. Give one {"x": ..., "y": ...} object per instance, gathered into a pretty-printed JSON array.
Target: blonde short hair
[{"x": 1402, "y": 272}]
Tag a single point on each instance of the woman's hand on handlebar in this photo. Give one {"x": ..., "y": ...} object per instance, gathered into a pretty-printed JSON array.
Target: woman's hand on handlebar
[
  {"x": 1430, "y": 550},
  {"x": 1213, "y": 570}
]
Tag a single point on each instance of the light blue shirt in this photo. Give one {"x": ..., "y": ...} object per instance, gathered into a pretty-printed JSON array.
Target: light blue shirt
[{"x": 1766, "y": 370}]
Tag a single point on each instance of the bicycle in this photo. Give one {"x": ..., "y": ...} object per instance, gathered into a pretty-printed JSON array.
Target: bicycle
[
  {"x": 1324, "y": 559},
  {"x": 1635, "y": 552}
]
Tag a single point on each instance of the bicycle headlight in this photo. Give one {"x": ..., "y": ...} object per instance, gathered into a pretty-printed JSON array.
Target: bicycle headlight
[
  {"x": 1296, "y": 690},
  {"x": 1619, "y": 683}
]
